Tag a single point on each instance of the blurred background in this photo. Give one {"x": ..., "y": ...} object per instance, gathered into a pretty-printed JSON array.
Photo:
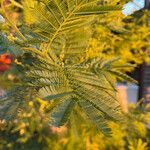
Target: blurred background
[{"x": 113, "y": 35}]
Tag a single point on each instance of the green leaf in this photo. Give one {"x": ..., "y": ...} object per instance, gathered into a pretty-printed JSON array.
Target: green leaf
[
  {"x": 89, "y": 10},
  {"x": 122, "y": 76},
  {"x": 62, "y": 112},
  {"x": 96, "y": 116},
  {"x": 58, "y": 95}
]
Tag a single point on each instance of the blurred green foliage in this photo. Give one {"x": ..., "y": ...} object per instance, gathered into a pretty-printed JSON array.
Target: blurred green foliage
[
  {"x": 31, "y": 131},
  {"x": 117, "y": 35}
]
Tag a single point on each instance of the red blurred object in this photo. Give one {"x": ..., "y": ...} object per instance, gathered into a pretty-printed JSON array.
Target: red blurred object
[
  {"x": 4, "y": 67},
  {"x": 5, "y": 61}
]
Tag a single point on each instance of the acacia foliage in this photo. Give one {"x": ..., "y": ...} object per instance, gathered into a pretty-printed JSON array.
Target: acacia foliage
[{"x": 54, "y": 32}]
